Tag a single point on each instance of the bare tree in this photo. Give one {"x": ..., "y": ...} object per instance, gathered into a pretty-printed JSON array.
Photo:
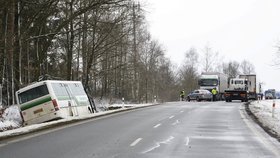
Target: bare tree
[
  {"x": 231, "y": 69},
  {"x": 105, "y": 44},
  {"x": 188, "y": 72},
  {"x": 191, "y": 59},
  {"x": 209, "y": 59},
  {"x": 247, "y": 67}
]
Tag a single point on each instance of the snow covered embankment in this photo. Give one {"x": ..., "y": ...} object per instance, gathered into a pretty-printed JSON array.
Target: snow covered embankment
[
  {"x": 263, "y": 111},
  {"x": 10, "y": 119}
]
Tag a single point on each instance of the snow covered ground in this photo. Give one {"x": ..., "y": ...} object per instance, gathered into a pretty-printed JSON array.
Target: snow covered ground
[
  {"x": 263, "y": 111},
  {"x": 10, "y": 124},
  {"x": 10, "y": 119}
]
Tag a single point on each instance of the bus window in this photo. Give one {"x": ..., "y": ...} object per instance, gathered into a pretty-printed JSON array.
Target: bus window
[
  {"x": 33, "y": 93},
  {"x": 77, "y": 89},
  {"x": 60, "y": 90}
]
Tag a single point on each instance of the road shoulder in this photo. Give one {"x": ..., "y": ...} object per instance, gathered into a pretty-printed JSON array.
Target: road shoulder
[{"x": 33, "y": 129}]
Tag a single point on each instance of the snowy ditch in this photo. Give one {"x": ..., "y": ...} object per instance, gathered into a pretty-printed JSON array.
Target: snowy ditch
[
  {"x": 10, "y": 119},
  {"x": 267, "y": 116}
]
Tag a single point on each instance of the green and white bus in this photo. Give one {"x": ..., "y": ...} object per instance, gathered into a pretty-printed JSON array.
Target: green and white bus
[{"x": 48, "y": 100}]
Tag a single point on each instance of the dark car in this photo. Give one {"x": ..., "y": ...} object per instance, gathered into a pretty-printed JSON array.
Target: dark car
[{"x": 200, "y": 94}]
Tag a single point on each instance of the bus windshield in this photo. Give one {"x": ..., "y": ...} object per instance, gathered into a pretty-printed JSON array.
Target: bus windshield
[
  {"x": 208, "y": 82},
  {"x": 33, "y": 93}
]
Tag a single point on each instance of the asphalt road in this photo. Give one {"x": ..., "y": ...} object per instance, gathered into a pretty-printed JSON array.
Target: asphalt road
[{"x": 171, "y": 130}]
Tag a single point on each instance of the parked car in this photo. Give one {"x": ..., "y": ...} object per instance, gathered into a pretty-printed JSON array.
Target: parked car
[
  {"x": 200, "y": 94},
  {"x": 268, "y": 96}
]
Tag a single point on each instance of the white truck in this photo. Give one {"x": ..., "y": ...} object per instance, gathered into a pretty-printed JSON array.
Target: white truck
[
  {"x": 237, "y": 90},
  {"x": 211, "y": 80},
  {"x": 241, "y": 88},
  {"x": 252, "y": 86}
]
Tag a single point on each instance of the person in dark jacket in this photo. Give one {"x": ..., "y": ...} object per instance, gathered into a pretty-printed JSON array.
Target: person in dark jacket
[{"x": 182, "y": 95}]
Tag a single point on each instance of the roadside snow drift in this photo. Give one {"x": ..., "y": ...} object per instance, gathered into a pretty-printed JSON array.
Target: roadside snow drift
[
  {"x": 263, "y": 111},
  {"x": 10, "y": 119}
]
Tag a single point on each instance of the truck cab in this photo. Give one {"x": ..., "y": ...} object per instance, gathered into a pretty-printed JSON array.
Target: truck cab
[
  {"x": 238, "y": 84},
  {"x": 211, "y": 80},
  {"x": 208, "y": 82},
  {"x": 238, "y": 90}
]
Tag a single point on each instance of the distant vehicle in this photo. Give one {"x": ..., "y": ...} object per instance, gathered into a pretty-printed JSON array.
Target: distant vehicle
[
  {"x": 47, "y": 100},
  {"x": 211, "y": 80},
  {"x": 270, "y": 94},
  {"x": 277, "y": 94},
  {"x": 200, "y": 94}
]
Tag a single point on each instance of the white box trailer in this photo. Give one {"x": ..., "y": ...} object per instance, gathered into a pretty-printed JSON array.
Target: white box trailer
[{"x": 210, "y": 80}]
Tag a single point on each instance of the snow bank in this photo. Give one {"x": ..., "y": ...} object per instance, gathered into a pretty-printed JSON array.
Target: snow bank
[
  {"x": 263, "y": 111},
  {"x": 116, "y": 106},
  {"x": 10, "y": 119},
  {"x": 111, "y": 104}
]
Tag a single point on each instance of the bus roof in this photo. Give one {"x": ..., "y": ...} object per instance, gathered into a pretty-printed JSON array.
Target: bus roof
[{"x": 36, "y": 84}]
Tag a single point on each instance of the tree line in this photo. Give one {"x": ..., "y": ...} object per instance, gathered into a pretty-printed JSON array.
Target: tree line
[
  {"x": 103, "y": 43},
  {"x": 208, "y": 60}
]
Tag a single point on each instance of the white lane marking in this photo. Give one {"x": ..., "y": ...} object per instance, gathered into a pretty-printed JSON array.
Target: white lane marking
[
  {"x": 157, "y": 145},
  {"x": 136, "y": 142},
  {"x": 187, "y": 141},
  {"x": 176, "y": 122},
  {"x": 181, "y": 111},
  {"x": 171, "y": 117},
  {"x": 156, "y": 126}
]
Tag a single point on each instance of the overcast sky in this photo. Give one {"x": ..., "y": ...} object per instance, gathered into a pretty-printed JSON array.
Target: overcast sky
[{"x": 237, "y": 29}]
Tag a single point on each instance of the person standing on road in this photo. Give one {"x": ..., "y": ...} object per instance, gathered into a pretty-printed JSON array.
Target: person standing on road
[
  {"x": 182, "y": 95},
  {"x": 214, "y": 93}
]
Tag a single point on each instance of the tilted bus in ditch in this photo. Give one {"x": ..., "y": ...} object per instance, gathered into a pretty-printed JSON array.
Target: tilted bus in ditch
[{"x": 48, "y": 100}]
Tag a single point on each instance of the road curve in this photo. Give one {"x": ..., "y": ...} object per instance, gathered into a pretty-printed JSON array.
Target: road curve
[{"x": 170, "y": 130}]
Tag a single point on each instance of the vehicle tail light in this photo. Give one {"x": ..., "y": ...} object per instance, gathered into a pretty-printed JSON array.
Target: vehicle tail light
[
  {"x": 226, "y": 94},
  {"x": 243, "y": 95},
  {"x": 55, "y": 105}
]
